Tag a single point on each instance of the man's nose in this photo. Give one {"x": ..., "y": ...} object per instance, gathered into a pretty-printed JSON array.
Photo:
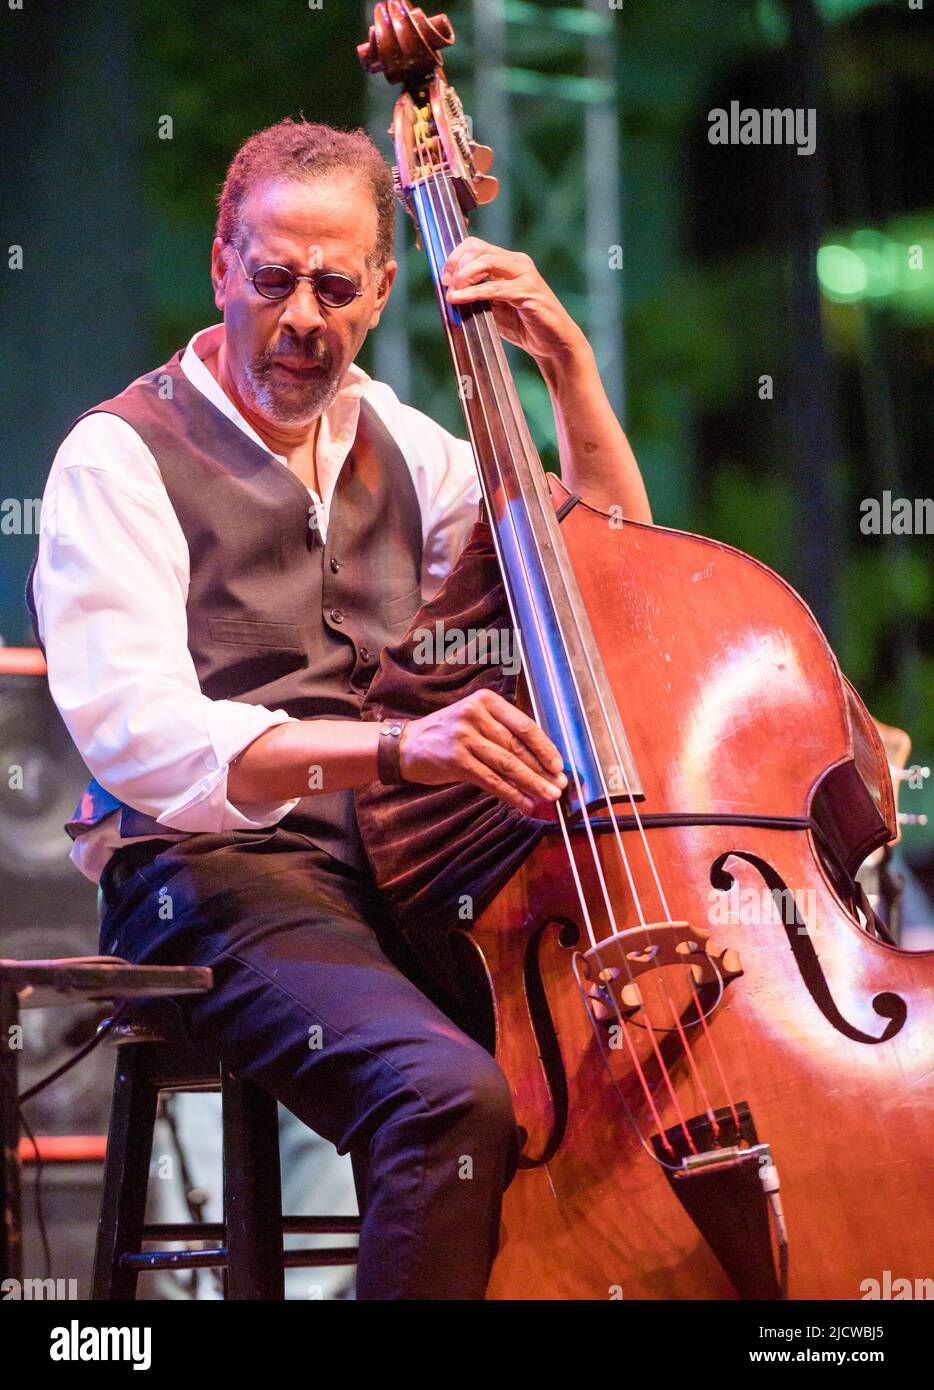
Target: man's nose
[{"x": 302, "y": 313}]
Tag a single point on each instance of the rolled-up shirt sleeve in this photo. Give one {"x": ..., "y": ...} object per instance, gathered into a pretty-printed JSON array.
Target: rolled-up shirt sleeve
[{"x": 110, "y": 590}]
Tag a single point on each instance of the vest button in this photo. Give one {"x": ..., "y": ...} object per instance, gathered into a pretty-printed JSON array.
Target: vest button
[
  {"x": 364, "y": 653},
  {"x": 335, "y": 564},
  {"x": 336, "y": 615}
]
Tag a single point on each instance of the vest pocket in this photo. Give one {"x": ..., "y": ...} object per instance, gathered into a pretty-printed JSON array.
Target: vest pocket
[
  {"x": 244, "y": 632},
  {"x": 400, "y": 610}
]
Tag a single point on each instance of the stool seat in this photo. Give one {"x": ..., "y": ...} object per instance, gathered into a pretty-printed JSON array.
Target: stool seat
[{"x": 155, "y": 1054}]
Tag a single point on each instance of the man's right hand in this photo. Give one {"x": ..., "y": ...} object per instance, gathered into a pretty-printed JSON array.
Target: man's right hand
[{"x": 484, "y": 740}]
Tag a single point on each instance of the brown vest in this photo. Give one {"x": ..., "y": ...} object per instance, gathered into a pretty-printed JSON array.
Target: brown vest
[{"x": 276, "y": 617}]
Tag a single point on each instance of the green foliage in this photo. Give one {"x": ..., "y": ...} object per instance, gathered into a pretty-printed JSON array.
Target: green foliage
[
  {"x": 751, "y": 512},
  {"x": 222, "y": 72},
  {"x": 884, "y": 598}
]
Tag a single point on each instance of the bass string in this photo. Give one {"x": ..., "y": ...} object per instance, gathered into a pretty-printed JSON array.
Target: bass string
[
  {"x": 429, "y": 244},
  {"x": 483, "y": 321},
  {"x": 427, "y": 171},
  {"x": 647, "y": 1025},
  {"x": 478, "y": 322}
]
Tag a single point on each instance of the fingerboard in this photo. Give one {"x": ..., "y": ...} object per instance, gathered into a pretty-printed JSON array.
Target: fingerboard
[{"x": 571, "y": 696}]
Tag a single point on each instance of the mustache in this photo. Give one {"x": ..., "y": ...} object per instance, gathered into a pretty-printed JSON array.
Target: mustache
[{"x": 315, "y": 351}]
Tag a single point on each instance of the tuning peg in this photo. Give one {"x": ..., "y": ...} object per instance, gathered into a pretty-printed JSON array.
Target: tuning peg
[{"x": 482, "y": 157}]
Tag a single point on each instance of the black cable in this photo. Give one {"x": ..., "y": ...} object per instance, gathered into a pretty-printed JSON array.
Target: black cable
[
  {"x": 102, "y": 1031},
  {"x": 40, "y": 1217}
]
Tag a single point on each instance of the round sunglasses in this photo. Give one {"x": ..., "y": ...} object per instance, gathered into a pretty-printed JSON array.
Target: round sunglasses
[{"x": 333, "y": 290}]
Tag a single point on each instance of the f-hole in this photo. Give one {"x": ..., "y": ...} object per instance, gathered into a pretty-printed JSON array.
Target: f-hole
[{"x": 886, "y": 1005}]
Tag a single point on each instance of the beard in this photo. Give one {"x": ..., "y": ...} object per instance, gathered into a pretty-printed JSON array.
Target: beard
[{"x": 292, "y": 399}]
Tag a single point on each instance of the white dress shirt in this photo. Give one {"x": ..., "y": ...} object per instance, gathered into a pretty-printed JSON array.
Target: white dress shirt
[{"x": 110, "y": 590}]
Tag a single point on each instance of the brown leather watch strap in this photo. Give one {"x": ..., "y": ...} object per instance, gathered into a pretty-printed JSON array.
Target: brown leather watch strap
[{"x": 388, "y": 751}]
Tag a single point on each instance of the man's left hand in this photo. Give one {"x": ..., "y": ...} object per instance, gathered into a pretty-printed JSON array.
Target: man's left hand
[{"x": 525, "y": 310}]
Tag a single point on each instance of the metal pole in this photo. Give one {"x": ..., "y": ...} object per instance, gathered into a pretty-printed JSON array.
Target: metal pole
[{"x": 603, "y": 186}]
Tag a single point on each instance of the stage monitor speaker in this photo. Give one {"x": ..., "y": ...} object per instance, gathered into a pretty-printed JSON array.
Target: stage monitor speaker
[
  {"x": 42, "y": 777},
  {"x": 47, "y": 907}
]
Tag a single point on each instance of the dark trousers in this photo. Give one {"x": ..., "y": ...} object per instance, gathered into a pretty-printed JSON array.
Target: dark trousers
[{"x": 314, "y": 1000}]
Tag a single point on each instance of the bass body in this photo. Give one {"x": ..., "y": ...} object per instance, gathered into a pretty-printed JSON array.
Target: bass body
[{"x": 767, "y": 792}]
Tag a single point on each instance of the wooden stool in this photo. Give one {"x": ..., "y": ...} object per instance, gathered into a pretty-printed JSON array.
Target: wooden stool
[{"x": 154, "y": 1054}]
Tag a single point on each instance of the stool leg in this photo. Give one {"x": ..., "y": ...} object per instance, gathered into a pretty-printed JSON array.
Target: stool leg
[
  {"x": 126, "y": 1174},
  {"x": 252, "y": 1191}
]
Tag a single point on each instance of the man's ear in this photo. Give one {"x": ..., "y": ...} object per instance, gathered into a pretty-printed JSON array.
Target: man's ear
[
  {"x": 220, "y": 258},
  {"x": 388, "y": 274}
]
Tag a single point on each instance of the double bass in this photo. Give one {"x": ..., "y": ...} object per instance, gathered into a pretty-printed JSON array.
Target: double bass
[{"x": 721, "y": 1068}]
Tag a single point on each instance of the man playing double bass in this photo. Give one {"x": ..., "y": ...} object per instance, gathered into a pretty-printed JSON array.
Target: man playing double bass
[{"x": 226, "y": 547}]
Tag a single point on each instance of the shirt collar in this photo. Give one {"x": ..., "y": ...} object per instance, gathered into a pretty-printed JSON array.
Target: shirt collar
[{"x": 337, "y": 419}]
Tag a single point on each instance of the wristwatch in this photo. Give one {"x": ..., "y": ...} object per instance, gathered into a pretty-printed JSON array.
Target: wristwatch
[{"x": 388, "y": 751}]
